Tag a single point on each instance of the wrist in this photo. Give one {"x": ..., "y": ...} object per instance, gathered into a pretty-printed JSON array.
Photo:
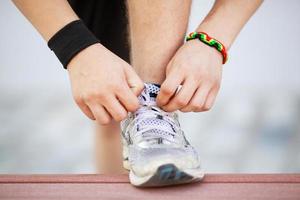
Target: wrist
[
  {"x": 199, "y": 48},
  {"x": 70, "y": 40},
  {"x": 219, "y": 35},
  {"x": 212, "y": 42},
  {"x": 219, "y": 24},
  {"x": 85, "y": 56}
]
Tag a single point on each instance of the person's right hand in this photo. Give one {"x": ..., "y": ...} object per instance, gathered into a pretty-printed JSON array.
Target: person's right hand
[{"x": 103, "y": 85}]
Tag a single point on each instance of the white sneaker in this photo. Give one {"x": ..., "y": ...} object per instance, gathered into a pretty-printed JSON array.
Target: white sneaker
[{"x": 155, "y": 149}]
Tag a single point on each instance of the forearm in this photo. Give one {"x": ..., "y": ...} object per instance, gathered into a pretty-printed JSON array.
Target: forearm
[
  {"x": 227, "y": 18},
  {"x": 47, "y": 17}
]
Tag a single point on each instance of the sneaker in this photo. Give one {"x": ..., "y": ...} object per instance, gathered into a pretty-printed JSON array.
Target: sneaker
[{"x": 155, "y": 149}]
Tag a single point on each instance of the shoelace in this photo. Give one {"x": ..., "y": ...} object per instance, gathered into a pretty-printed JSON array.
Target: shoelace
[
  {"x": 150, "y": 132},
  {"x": 150, "y": 111}
]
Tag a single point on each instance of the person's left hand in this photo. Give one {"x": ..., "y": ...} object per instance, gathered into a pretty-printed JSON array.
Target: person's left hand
[{"x": 198, "y": 68}]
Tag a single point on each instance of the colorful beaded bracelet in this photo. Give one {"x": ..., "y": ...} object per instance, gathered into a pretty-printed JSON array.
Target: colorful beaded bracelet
[{"x": 205, "y": 38}]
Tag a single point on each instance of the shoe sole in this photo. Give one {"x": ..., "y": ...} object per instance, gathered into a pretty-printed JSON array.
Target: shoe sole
[{"x": 167, "y": 175}]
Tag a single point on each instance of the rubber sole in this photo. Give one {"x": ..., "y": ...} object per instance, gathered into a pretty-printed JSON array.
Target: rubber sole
[{"x": 166, "y": 175}]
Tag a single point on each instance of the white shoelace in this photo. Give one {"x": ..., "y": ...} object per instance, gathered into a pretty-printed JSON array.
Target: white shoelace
[{"x": 164, "y": 124}]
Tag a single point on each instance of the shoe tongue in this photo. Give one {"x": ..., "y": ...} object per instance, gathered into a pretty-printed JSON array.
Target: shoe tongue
[{"x": 148, "y": 95}]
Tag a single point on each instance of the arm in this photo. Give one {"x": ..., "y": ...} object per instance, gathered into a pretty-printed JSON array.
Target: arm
[
  {"x": 227, "y": 18},
  {"x": 47, "y": 17},
  {"x": 198, "y": 67},
  {"x": 99, "y": 93}
]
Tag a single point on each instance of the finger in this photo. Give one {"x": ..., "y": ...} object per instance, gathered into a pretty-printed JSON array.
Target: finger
[
  {"x": 198, "y": 100},
  {"x": 210, "y": 99},
  {"x": 115, "y": 108},
  {"x": 101, "y": 115},
  {"x": 85, "y": 109},
  {"x": 182, "y": 98},
  {"x": 168, "y": 88},
  {"x": 128, "y": 99},
  {"x": 134, "y": 81}
]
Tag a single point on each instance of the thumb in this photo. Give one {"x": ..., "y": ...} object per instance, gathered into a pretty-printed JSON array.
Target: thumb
[{"x": 134, "y": 82}]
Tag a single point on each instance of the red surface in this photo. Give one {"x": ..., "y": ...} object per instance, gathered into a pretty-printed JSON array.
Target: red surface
[{"x": 214, "y": 186}]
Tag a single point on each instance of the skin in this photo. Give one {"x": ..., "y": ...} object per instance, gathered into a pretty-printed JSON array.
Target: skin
[
  {"x": 98, "y": 92},
  {"x": 89, "y": 74},
  {"x": 108, "y": 154},
  {"x": 198, "y": 67},
  {"x": 160, "y": 57},
  {"x": 155, "y": 39},
  {"x": 101, "y": 94}
]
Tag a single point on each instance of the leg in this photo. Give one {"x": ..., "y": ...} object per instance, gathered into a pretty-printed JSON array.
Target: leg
[
  {"x": 157, "y": 30},
  {"x": 108, "y": 149}
]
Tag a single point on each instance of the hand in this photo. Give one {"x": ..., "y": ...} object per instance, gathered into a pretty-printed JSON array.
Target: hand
[
  {"x": 103, "y": 85},
  {"x": 198, "y": 68}
]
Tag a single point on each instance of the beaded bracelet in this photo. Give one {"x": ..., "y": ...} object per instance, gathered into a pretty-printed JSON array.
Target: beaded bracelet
[{"x": 206, "y": 39}]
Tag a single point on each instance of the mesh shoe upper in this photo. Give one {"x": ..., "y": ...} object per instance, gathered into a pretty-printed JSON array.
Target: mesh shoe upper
[{"x": 154, "y": 137}]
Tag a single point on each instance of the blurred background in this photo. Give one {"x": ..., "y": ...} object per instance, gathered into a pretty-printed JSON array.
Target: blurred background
[{"x": 254, "y": 126}]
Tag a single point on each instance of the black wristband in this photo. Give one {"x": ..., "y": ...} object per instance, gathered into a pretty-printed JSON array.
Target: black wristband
[{"x": 70, "y": 40}]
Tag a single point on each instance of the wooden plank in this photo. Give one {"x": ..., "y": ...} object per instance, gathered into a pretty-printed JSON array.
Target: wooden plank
[
  {"x": 99, "y": 178},
  {"x": 63, "y": 178},
  {"x": 214, "y": 186}
]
